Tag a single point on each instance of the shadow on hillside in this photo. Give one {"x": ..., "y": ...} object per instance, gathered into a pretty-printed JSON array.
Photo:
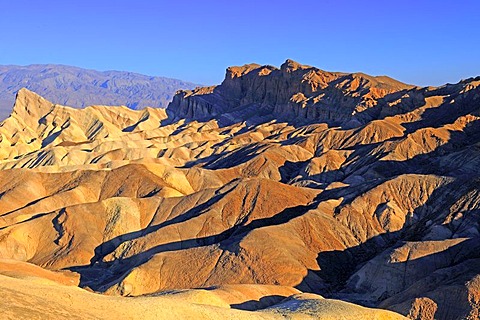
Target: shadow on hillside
[
  {"x": 109, "y": 246},
  {"x": 447, "y": 112},
  {"x": 366, "y": 167},
  {"x": 262, "y": 303},
  {"x": 338, "y": 267},
  {"x": 132, "y": 127},
  {"x": 436, "y": 116},
  {"x": 99, "y": 274}
]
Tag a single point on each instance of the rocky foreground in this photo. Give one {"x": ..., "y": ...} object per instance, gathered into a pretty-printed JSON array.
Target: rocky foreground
[{"x": 256, "y": 197}]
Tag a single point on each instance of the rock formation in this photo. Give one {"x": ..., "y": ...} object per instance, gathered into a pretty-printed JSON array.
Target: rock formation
[
  {"x": 294, "y": 92},
  {"x": 348, "y": 186}
]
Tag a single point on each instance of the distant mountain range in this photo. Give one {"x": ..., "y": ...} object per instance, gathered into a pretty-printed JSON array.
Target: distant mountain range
[{"x": 79, "y": 87}]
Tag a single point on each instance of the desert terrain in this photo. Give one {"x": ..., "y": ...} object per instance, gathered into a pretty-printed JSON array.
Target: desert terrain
[{"x": 287, "y": 192}]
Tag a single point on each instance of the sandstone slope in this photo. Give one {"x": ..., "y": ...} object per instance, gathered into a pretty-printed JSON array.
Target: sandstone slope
[{"x": 36, "y": 298}]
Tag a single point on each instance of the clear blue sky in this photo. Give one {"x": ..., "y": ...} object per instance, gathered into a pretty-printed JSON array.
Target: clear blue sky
[{"x": 420, "y": 42}]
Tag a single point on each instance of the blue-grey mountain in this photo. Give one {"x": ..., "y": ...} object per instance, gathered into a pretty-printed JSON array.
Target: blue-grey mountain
[{"x": 79, "y": 87}]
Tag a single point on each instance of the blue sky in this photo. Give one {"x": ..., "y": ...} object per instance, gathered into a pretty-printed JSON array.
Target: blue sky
[{"x": 419, "y": 42}]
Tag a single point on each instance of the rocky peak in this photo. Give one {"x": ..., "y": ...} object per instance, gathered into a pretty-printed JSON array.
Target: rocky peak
[
  {"x": 290, "y": 66},
  {"x": 294, "y": 91},
  {"x": 30, "y": 104},
  {"x": 239, "y": 71}
]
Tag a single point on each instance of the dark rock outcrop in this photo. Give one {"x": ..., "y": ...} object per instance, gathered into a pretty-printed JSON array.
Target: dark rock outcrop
[{"x": 294, "y": 92}]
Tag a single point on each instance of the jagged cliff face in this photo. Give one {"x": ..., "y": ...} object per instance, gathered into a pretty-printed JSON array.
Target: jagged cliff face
[
  {"x": 293, "y": 92},
  {"x": 236, "y": 187}
]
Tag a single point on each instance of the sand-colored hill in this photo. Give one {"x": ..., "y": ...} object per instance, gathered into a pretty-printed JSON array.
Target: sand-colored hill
[
  {"x": 36, "y": 298},
  {"x": 364, "y": 189}
]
